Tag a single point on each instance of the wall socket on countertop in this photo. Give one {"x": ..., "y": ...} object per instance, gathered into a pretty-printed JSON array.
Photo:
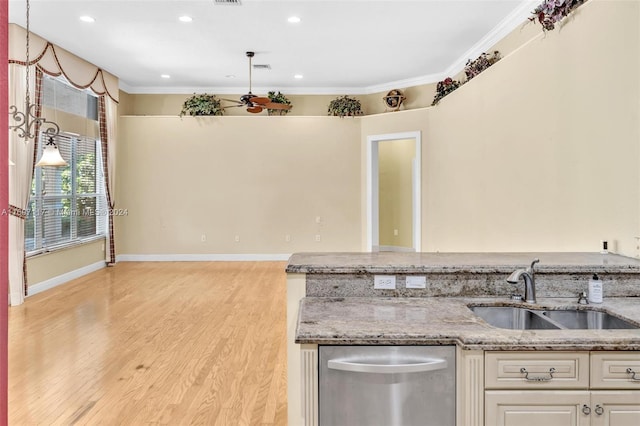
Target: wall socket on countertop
[{"x": 384, "y": 282}]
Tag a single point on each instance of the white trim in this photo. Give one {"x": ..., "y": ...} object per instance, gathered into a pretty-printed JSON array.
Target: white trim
[
  {"x": 200, "y": 257},
  {"x": 64, "y": 278},
  {"x": 372, "y": 197},
  {"x": 395, "y": 249}
]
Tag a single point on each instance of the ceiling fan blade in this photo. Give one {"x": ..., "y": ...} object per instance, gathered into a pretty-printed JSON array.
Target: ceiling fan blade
[
  {"x": 260, "y": 100},
  {"x": 274, "y": 105},
  {"x": 255, "y": 109}
]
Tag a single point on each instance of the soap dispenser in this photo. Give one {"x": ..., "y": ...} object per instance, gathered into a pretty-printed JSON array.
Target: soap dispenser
[{"x": 595, "y": 289}]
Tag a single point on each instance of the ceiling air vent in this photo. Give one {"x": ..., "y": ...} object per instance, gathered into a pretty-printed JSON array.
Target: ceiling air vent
[
  {"x": 261, "y": 66},
  {"x": 231, "y": 2}
]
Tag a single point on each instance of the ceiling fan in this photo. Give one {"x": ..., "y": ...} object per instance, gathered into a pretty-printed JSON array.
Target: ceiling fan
[{"x": 255, "y": 104}]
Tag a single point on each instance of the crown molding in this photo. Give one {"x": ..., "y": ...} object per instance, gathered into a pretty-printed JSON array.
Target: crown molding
[{"x": 516, "y": 18}]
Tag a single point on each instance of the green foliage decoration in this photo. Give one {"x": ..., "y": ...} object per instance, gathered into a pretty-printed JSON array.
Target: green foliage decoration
[
  {"x": 344, "y": 106},
  {"x": 202, "y": 104},
  {"x": 278, "y": 98}
]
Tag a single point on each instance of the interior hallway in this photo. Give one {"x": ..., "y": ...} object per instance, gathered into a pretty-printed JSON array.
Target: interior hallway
[{"x": 153, "y": 343}]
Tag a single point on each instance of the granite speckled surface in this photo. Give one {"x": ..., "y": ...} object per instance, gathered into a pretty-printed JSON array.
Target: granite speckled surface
[
  {"x": 393, "y": 262},
  {"x": 448, "y": 320},
  {"x": 342, "y": 307}
]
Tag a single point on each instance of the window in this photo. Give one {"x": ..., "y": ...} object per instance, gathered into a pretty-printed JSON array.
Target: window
[{"x": 67, "y": 204}]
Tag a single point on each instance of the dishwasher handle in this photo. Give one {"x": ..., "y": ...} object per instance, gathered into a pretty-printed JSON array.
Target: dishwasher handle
[{"x": 358, "y": 367}]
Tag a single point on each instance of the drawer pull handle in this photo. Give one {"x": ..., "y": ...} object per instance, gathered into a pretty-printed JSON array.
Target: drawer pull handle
[
  {"x": 586, "y": 410},
  {"x": 538, "y": 378},
  {"x": 633, "y": 375},
  {"x": 599, "y": 410}
]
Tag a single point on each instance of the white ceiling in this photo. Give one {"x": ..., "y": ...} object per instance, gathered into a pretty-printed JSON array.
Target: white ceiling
[{"x": 346, "y": 46}]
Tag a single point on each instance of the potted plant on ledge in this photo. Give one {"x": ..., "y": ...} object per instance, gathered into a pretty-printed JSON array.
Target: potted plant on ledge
[
  {"x": 278, "y": 98},
  {"x": 345, "y": 106},
  {"x": 202, "y": 104}
]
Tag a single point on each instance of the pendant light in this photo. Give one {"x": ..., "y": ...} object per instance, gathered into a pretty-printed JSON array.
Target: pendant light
[
  {"x": 51, "y": 155},
  {"x": 28, "y": 121}
]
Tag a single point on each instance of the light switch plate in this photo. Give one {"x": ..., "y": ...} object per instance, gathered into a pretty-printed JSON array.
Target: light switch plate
[
  {"x": 416, "y": 282},
  {"x": 384, "y": 282}
]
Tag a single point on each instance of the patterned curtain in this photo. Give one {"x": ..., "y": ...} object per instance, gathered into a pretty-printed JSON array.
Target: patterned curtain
[
  {"x": 22, "y": 154},
  {"x": 108, "y": 115}
]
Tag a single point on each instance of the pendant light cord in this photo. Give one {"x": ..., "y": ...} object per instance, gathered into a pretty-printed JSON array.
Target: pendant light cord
[{"x": 28, "y": 97}]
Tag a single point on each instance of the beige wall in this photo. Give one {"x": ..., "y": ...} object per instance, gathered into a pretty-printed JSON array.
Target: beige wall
[
  {"x": 303, "y": 105},
  {"x": 395, "y": 182},
  {"x": 541, "y": 152},
  {"x": 255, "y": 177},
  {"x": 50, "y": 265}
]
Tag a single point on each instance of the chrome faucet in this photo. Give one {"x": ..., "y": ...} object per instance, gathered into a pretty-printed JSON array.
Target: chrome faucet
[{"x": 529, "y": 277}]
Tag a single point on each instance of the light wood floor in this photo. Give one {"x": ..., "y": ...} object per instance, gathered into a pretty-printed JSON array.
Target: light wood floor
[{"x": 171, "y": 343}]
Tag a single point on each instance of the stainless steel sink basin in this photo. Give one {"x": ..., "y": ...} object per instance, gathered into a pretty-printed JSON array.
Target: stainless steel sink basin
[
  {"x": 513, "y": 318},
  {"x": 587, "y": 319},
  {"x": 516, "y": 318}
]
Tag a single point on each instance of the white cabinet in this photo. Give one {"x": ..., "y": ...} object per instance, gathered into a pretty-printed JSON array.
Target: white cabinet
[
  {"x": 562, "y": 389},
  {"x": 536, "y": 370},
  {"x": 536, "y": 408},
  {"x": 615, "y": 408}
]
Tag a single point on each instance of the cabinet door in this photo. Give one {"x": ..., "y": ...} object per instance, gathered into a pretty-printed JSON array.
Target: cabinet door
[
  {"x": 536, "y": 408},
  {"x": 615, "y": 408}
]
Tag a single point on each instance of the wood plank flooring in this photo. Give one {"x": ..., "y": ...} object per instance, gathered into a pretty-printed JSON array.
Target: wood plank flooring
[{"x": 166, "y": 343}]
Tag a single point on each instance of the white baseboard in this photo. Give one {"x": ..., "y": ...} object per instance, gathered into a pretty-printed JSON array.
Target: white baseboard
[
  {"x": 61, "y": 279},
  {"x": 395, "y": 248},
  {"x": 200, "y": 257}
]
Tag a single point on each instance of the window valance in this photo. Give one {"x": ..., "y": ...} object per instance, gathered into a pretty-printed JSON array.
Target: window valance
[{"x": 55, "y": 61}]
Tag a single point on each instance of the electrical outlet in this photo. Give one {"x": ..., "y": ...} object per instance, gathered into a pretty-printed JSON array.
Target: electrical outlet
[
  {"x": 395, "y": 232},
  {"x": 287, "y": 238},
  {"x": 237, "y": 238},
  {"x": 416, "y": 282},
  {"x": 384, "y": 282},
  {"x": 318, "y": 238},
  {"x": 203, "y": 238}
]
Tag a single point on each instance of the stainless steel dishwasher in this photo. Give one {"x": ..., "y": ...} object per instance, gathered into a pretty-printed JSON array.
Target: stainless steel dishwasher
[{"x": 387, "y": 386}]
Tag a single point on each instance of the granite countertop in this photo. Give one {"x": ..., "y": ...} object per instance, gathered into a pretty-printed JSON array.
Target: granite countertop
[
  {"x": 394, "y": 262},
  {"x": 448, "y": 320}
]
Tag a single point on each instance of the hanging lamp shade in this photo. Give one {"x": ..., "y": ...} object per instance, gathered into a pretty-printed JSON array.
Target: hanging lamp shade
[{"x": 51, "y": 155}]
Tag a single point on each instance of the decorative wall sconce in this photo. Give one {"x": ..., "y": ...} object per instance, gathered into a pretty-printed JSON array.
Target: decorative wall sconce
[{"x": 29, "y": 122}]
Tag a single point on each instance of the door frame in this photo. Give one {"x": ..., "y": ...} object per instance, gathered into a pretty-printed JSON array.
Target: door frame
[{"x": 372, "y": 189}]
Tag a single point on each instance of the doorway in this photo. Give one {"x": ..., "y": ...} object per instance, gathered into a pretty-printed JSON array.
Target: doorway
[{"x": 393, "y": 192}]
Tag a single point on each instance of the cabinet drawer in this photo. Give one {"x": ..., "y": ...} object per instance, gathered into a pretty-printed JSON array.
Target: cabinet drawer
[
  {"x": 536, "y": 370},
  {"x": 615, "y": 370}
]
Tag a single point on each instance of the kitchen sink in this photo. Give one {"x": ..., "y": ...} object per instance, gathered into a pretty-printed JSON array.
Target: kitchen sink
[
  {"x": 513, "y": 318},
  {"x": 587, "y": 319},
  {"x": 516, "y": 318}
]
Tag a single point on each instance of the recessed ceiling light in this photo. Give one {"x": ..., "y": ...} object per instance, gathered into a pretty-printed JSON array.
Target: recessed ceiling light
[
  {"x": 165, "y": 76},
  {"x": 185, "y": 18},
  {"x": 87, "y": 18},
  {"x": 298, "y": 76},
  {"x": 293, "y": 19}
]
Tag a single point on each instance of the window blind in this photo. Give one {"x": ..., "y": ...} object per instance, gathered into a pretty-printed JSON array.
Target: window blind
[{"x": 67, "y": 203}]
